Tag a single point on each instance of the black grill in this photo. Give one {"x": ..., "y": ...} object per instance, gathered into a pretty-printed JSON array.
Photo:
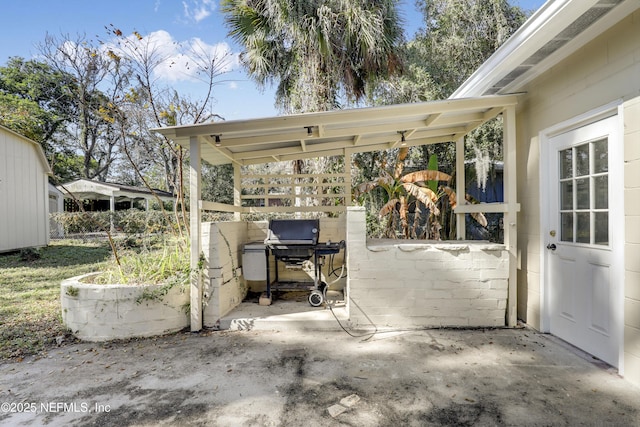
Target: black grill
[{"x": 294, "y": 241}]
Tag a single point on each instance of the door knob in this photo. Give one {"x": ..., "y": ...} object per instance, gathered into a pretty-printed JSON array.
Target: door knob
[{"x": 551, "y": 246}]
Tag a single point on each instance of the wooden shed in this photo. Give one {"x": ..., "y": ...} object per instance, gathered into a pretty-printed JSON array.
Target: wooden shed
[{"x": 24, "y": 194}]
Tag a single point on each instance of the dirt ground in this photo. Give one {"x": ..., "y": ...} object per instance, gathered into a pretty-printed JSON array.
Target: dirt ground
[{"x": 501, "y": 377}]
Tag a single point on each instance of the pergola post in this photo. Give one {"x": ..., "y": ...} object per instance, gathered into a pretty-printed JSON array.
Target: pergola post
[
  {"x": 237, "y": 190},
  {"x": 461, "y": 185},
  {"x": 195, "y": 174},
  {"x": 347, "y": 180},
  {"x": 112, "y": 210},
  {"x": 510, "y": 221}
]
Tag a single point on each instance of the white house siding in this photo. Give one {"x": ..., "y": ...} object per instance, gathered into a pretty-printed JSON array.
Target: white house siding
[
  {"x": 603, "y": 71},
  {"x": 23, "y": 193},
  {"x": 632, "y": 239}
]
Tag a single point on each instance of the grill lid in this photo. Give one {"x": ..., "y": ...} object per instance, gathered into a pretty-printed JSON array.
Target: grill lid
[{"x": 293, "y": 232}]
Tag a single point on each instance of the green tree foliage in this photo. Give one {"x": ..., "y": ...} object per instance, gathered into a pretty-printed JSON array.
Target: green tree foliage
[
  {"x": 461, "y": 34},
  {"x": 457, "y": 37},
  {"x": 316, "y": 51},
  {"x": 23, "y": 116},
  {"x": 35, "y": 100}
]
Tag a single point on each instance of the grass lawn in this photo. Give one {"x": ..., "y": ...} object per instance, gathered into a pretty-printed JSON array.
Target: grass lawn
[{"x": 30, "y": 314}]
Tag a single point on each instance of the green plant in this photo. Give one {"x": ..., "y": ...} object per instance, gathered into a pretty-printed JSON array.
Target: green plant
[
  {"x": 72, "y": 291},
  {"x": 410, "y": 193},
  {"x": 150, "y": 261}
]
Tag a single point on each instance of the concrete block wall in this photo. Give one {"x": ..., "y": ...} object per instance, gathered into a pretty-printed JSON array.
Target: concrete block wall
[
  {"x": 223, "y": 285},
  {"x": 105, "y": 312},
  {"x": 400, "y": 283},
  {"x": 631, "y": 116}
]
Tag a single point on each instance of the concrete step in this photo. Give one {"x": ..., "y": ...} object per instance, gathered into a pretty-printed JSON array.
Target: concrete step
[{"x": 285, "y": 315}]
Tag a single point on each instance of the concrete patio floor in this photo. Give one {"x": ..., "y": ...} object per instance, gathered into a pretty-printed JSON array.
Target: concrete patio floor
[{"x": 294, "y": 377}]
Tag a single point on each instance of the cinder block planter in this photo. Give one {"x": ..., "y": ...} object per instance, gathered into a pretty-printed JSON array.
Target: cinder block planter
[{"x": 104, "y": 312}]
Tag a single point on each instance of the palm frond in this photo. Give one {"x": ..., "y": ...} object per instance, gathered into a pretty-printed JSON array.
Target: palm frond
[
  {"x": 478, "y": 216},
  {"x": 425, "y": 175},
  {"x": 451, "y": 194},
  {"x": 365, "y": 187},
  {"x": 385, "y": 178},
  {"x": 402, "y": 155},
  {"x": 404, "y": 214},
  {"x": 388, "y": 207},
  {"x": 424, "y": 195}
]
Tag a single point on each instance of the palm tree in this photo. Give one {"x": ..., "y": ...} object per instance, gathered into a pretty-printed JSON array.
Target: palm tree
[{"x": 316, "y": 51}]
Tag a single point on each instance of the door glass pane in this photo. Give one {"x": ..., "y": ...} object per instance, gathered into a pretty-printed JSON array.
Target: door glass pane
[
  {"x": 566, "y": 195},
  {"x": 583, "y": 227},
  {"x": 601, "y": 228},
  {"x": 583, "y": 184},
  {"x": 566, "y": 227},
  {"x": 582, "y": 193},
  {"x": 566, "y": 165},
  {"x": 582, "y": 160},
  {"x": 600, "y": 157},
  {"x": 601, "y": 192}
]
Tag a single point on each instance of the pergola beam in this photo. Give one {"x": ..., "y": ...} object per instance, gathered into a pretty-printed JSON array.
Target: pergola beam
[{"x": 371, "y": 115}]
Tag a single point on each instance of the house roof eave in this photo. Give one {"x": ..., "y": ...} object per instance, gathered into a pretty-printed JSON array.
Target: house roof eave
[{"x": 527, "y": 53}]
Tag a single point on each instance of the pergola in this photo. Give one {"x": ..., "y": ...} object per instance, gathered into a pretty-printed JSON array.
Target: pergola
[{"x": 345, "y": 132}]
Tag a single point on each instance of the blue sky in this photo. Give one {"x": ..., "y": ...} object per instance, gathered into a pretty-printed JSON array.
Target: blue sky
[{"x": 176, "y": 24}]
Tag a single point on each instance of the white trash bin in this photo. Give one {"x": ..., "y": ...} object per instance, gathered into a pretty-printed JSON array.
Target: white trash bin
[{"x": 254, "y": 261}]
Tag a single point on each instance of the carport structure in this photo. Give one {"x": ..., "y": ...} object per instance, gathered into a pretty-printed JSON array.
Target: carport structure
[{"x": 343, "y": 133}]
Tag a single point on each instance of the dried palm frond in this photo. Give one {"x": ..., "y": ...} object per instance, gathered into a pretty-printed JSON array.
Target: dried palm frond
[
  {"x": 425, "y": 175},
  {"x": 402, "y": 155},
  {"x": 424, "y": 195},
  {"x": 451, "y": 194},
  {"x": 388, "y": 207},
  {"x": 385, "y": 178},
  {"x": 365, "y": 187},
  {"x": 478, "y": 216}
]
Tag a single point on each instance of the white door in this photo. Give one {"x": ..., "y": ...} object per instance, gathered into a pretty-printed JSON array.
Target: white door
[{"x": 583, "y": 263}]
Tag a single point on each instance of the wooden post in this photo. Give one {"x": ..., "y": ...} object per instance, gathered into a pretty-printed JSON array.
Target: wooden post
[
  {"x": 194, "y": 216},
  {"x": 347, "y": 179},
  {"x": 237, "y": 189},
  {"x": 510, "y": 221},
  {"x": 461, "y": 186},
  {"x": 112, "y": 210}
]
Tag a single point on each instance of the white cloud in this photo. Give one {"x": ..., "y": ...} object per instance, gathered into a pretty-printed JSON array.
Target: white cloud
[
  {"x": 197, "y": 10},
  {"x": 189, "y": 60},
  {"x": 233, "y": 85}
]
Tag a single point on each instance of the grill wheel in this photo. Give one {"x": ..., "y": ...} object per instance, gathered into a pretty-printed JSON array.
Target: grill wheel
[{"x": 316, "y": 298}]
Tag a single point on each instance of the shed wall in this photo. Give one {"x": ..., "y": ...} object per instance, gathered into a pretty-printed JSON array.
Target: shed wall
[{"x": 23, "y": 194}]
